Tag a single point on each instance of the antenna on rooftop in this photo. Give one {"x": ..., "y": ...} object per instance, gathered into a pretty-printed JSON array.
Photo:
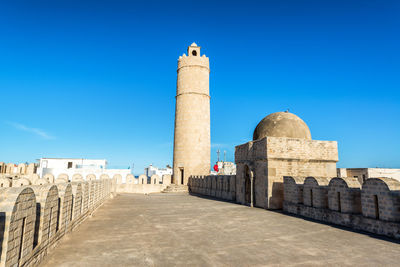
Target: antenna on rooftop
[
  {"x": 224, "y": 155},
  {"x": 218, "y": 154}
]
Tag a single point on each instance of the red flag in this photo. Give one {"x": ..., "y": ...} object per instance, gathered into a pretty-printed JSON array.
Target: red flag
[{"x": 216, "y": 167}]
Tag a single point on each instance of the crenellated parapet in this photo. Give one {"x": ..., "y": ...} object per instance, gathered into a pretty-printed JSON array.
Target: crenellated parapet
[
  {"x": 373, "y": 206},
  {"x": 218, "y": 186},
  {"x": 315, "y": 192},
  {"x": 16, "y": 170},
  {"x": 17, "y": 217},
  {"x": 189, "y": 61},
  {"x": 380, "y": 199},
  {"x": 33, "y": 218},
  {"x": 142, "y": 184}
]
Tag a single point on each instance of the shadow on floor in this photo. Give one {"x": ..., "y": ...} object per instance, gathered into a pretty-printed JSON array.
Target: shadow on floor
[
  {"x": 344, "y": 228},
  {"x": 212, "y": 198}
]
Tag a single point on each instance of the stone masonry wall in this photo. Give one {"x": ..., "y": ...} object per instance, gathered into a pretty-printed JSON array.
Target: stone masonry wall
[
  {"x": 145, "y": 185},
  {"x": 33, "y": 219},
  {"x": 192, "y": 117},
  {"x": 218, "y": 186},
  {"x": 269, "y": 159},
  {"x": 373, "y": 207}
]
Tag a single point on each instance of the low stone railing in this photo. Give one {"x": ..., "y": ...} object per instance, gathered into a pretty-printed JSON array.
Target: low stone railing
[{"x": 33, "y": 218}]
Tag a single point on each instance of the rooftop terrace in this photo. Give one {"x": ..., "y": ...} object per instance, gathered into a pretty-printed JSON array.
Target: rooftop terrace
[{"x": 184, "y": 230}]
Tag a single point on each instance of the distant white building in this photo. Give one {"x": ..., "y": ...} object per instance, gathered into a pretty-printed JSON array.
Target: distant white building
[
  {"x": 364, "y": 173},
  {"x": 224, "y": 168},
  {"x": 71, "y": 166},
  {"x": 151, "y": 170}
]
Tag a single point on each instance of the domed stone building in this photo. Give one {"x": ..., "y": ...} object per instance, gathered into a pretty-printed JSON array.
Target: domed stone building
[
  {"x": 282, "y": 124},
  {"x": 281, "y": 146}
]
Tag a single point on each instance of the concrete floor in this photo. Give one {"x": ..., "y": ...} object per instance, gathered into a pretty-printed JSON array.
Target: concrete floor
[{"x": 183, "y": 230}]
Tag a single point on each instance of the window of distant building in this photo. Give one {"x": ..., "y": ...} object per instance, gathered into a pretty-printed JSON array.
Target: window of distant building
[{"x": 69, "y": 165}]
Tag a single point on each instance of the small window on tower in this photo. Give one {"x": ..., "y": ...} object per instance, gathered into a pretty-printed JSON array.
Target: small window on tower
[{"x": 194, "y": 53}]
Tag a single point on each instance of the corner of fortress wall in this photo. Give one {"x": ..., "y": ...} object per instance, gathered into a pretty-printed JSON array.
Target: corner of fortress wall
[{"x": 34, "y": 218}]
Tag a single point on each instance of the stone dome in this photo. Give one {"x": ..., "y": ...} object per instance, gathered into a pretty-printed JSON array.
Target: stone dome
[{"x": 282, "y": 124}]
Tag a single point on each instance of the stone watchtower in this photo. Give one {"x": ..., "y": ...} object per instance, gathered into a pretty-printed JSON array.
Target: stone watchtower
[{"x": 192, "y": 117}]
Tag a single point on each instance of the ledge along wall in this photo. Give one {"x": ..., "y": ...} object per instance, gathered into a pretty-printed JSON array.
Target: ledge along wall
[{"x": 34, "y": 218}]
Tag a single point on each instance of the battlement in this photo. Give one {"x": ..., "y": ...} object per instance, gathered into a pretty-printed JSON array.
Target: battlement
[
  {"x": 35, "y": 213},
  {"x": 143, "y": 185},
  {"x": 34, "y": 218},
  {"x": 219, "y": 186},
  {"x": 188, "y": 61},
  {"x": 20, "y": 169},
  {"x": 373, "y": 206}
]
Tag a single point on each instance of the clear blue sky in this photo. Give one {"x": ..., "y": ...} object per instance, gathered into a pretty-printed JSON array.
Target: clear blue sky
[{"x": 96, "y": 79}]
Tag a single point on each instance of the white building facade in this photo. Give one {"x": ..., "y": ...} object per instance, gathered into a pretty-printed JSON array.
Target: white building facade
[
  {"x": 71, "y": 166},
  {"x": 226, "y": 168},
  {"x": 151, "y": 170},
  {"x": 364, "y": 173}
]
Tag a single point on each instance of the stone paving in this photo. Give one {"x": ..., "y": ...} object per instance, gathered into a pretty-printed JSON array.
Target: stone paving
[{"x": 183, "y": 230}]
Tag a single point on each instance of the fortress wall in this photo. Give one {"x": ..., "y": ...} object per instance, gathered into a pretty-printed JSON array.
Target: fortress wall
[
  {"x": 2, "y": 167},
  {"x": 373, "y": 207},
  {"x": 380, "y": 199},
  {"x": 77, "y": 200},
  {"x": 140, "y": 188},
  {"x": 315, "y": 192},
  {"x": 218, "y": 186},
  {"x": 144, "y": 185},
  {"x": 293, "y": 191},
  {"x": 93, "y": 197},
  {"x": 17, "y": 222},
  {"x": 344, "y": 195},
  {"x": 46, "y": 213},
  {"x": 34, "y": 218}
]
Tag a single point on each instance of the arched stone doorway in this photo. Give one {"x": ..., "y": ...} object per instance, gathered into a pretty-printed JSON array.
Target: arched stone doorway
[{"x": 248, "y": 186}]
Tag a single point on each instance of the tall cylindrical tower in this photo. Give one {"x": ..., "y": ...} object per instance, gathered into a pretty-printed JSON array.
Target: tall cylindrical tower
[{"x": 192, "y": 117}]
